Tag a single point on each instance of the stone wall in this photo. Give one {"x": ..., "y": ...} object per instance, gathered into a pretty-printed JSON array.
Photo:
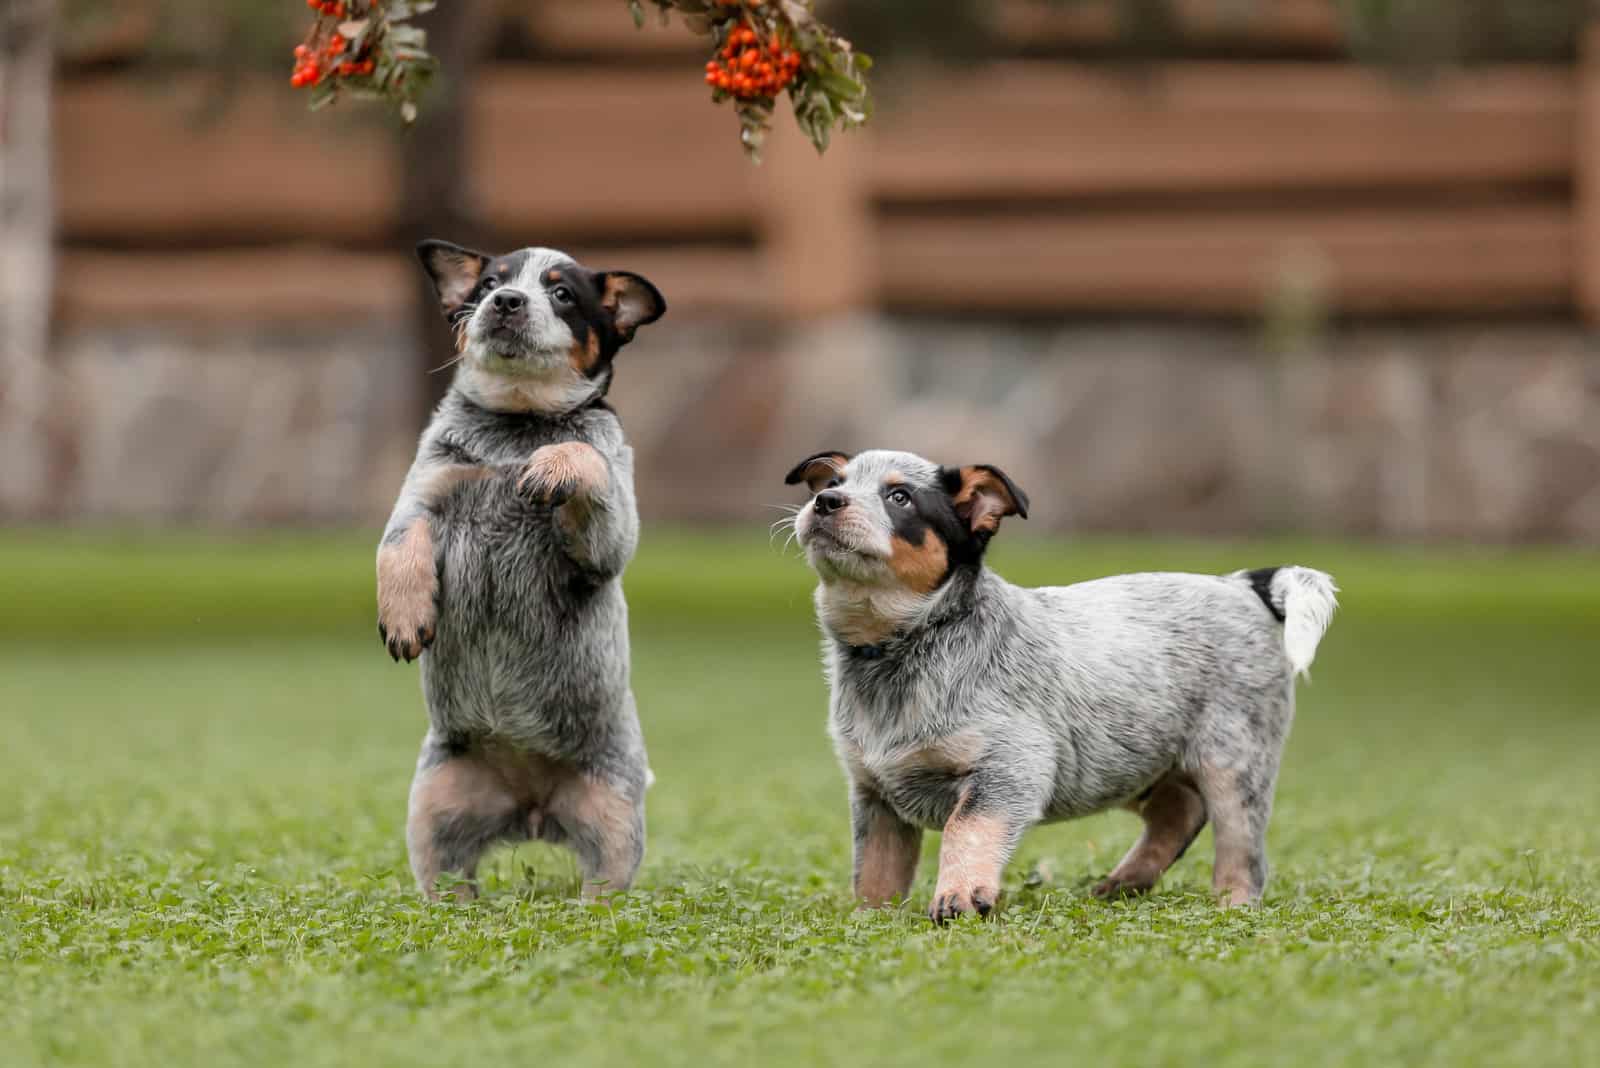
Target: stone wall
[{"x": 1488, "y": 431}]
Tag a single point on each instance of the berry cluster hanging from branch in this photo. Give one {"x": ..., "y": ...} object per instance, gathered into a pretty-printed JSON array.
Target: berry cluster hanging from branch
[
  {"x": 760, "y": 50},
  {"x": 365, "y": 48},
  {"x": 766, "y": 47}
]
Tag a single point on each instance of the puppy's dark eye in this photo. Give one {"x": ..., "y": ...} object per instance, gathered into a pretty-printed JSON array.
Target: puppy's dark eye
[
  {"x": 834, "y": 482},
  {"x": 900, "y": 496},
  {"x": 561, "y": 295},
  {"x": 489, "y": 283}
]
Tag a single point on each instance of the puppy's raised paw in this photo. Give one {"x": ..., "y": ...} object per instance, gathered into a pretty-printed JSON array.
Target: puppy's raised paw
[
  {"x": 954, "y": 903},
  {"x": 571, "y": 470},
  {"x": 406, "y": 645},
  {"x": 408, "y": 593}
]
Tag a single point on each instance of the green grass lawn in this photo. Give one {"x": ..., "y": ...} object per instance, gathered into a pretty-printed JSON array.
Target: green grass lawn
[{"x": 206, "y": 755}]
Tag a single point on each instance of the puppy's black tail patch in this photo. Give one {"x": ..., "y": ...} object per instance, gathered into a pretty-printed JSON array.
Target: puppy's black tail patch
[{"x": 1261, "y": 582}]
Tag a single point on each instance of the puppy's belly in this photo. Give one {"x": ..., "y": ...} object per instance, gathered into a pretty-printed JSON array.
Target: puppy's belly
[
  {"x": 529, "y": 653},
  {"x": 1082, "y": 788}
]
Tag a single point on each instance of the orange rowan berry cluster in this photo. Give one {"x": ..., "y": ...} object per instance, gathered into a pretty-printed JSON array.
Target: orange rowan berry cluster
[
  {"x": 750, "y": 70},
  {"x": 315, "y": 62}
]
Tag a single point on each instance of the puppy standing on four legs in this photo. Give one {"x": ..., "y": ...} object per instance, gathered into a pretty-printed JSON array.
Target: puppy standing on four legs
[
  {"x": 500, "y": 568},
  {"x": 961, "y": 702}
]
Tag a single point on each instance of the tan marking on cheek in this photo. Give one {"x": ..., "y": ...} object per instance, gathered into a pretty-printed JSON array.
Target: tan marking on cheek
[
  {"x": 919, "y": 567},
  {"x": 585, "y": 355}
]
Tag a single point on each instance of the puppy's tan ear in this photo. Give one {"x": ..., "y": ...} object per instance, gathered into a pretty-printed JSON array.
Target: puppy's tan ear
[
  {"x": 630, "y": 300},
  {"x": 453, "y": 270},
  {"x": 984, "y": 495},
  {"x": 818, "y": 470}
]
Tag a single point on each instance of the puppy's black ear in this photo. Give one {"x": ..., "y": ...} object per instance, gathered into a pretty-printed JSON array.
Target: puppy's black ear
[
  {"x": 454, "y": 271},
  {"x": 630, "y": 300},
  {"x": 984, "y": 495},
  {"x": 818, "y": 470}
]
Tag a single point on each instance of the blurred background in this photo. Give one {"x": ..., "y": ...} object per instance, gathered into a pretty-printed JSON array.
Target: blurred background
[
  {"x": 1199, "y": 266},
  {"x": 1221, "y": 283}
]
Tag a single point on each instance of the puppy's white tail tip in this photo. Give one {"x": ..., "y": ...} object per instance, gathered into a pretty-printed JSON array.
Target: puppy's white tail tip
[{"x": 1306, "y": 600}]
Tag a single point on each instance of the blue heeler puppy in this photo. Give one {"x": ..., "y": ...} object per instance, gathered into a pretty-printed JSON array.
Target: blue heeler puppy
[
  {"x": 500, "y": 568},
  {"x": 965, "y": 704}
]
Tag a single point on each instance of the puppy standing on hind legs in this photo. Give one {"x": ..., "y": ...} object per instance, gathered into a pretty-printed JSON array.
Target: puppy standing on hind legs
[
  {"x": 500, "y": 568},
  {"x": 965, "y": 704}
]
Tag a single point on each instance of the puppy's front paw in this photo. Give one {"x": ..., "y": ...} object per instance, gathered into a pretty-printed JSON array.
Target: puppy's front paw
[
  {"x": 407, "y": 642},
  {"x": 559, "y": 473},
  {"x": 408, "y": 593},
  {"x": 951, "y": 903},
  {"x": 1115, "y": 886}
]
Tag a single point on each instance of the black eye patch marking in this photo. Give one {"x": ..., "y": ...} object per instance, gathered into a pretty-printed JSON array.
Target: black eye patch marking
[
  {"x": 930, "y": 511},
  {"x": 923, "y": 525}
]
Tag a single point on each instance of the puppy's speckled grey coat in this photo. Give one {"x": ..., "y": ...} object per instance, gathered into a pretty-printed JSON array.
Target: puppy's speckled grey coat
[
  {"x": 520, "y": 509},
  {"x": 981, "y": 708}
]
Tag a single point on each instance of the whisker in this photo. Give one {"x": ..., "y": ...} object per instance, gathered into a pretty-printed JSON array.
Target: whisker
[{"x": 448, "y": 363}]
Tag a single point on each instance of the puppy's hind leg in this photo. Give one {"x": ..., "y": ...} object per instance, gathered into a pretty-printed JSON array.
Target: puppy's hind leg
[
  {"x": 460, "y": 806},
  {"x": 1173, "y": 815},
  {"x": 1238, "y": 796},
  {"x": 603, "y": 822}
]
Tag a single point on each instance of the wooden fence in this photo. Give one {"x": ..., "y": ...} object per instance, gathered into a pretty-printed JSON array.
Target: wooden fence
[{"x": 1021, "y": 187}]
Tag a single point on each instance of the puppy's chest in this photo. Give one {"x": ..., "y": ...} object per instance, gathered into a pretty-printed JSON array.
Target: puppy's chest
[{"x": 920, "y": 773}]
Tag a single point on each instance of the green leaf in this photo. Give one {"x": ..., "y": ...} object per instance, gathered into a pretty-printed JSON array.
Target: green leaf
[
  {"x": 323, "y": 95},
  {"x": 839, "y": 86}
]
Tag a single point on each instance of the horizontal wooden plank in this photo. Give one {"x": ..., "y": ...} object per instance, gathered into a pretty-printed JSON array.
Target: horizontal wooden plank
[
  {"x": 301, "y": 285},
  {"x": 619, "y": 154},
  {"x": 602, "y": 29},
  {"x": 631, "y": 154},
  {"x": 1298, "y": 25},
  {"x": 643, "y": 154},
  {"x": 1444, "y": 260},
  {"x": 173, "y": 162},
  {"x": 314, "y": 286},
  {"x": 1058, "y": 130}
]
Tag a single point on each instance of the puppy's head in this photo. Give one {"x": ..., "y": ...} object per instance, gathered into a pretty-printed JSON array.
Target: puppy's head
[
  {"x": 895, "y": 520},
  {"x": 536, "y": 330}
]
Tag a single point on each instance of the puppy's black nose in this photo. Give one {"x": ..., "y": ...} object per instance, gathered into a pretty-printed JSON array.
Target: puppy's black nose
[
  {"x": 506, "y": 301},
  {"x": 828, "y": 501}
]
